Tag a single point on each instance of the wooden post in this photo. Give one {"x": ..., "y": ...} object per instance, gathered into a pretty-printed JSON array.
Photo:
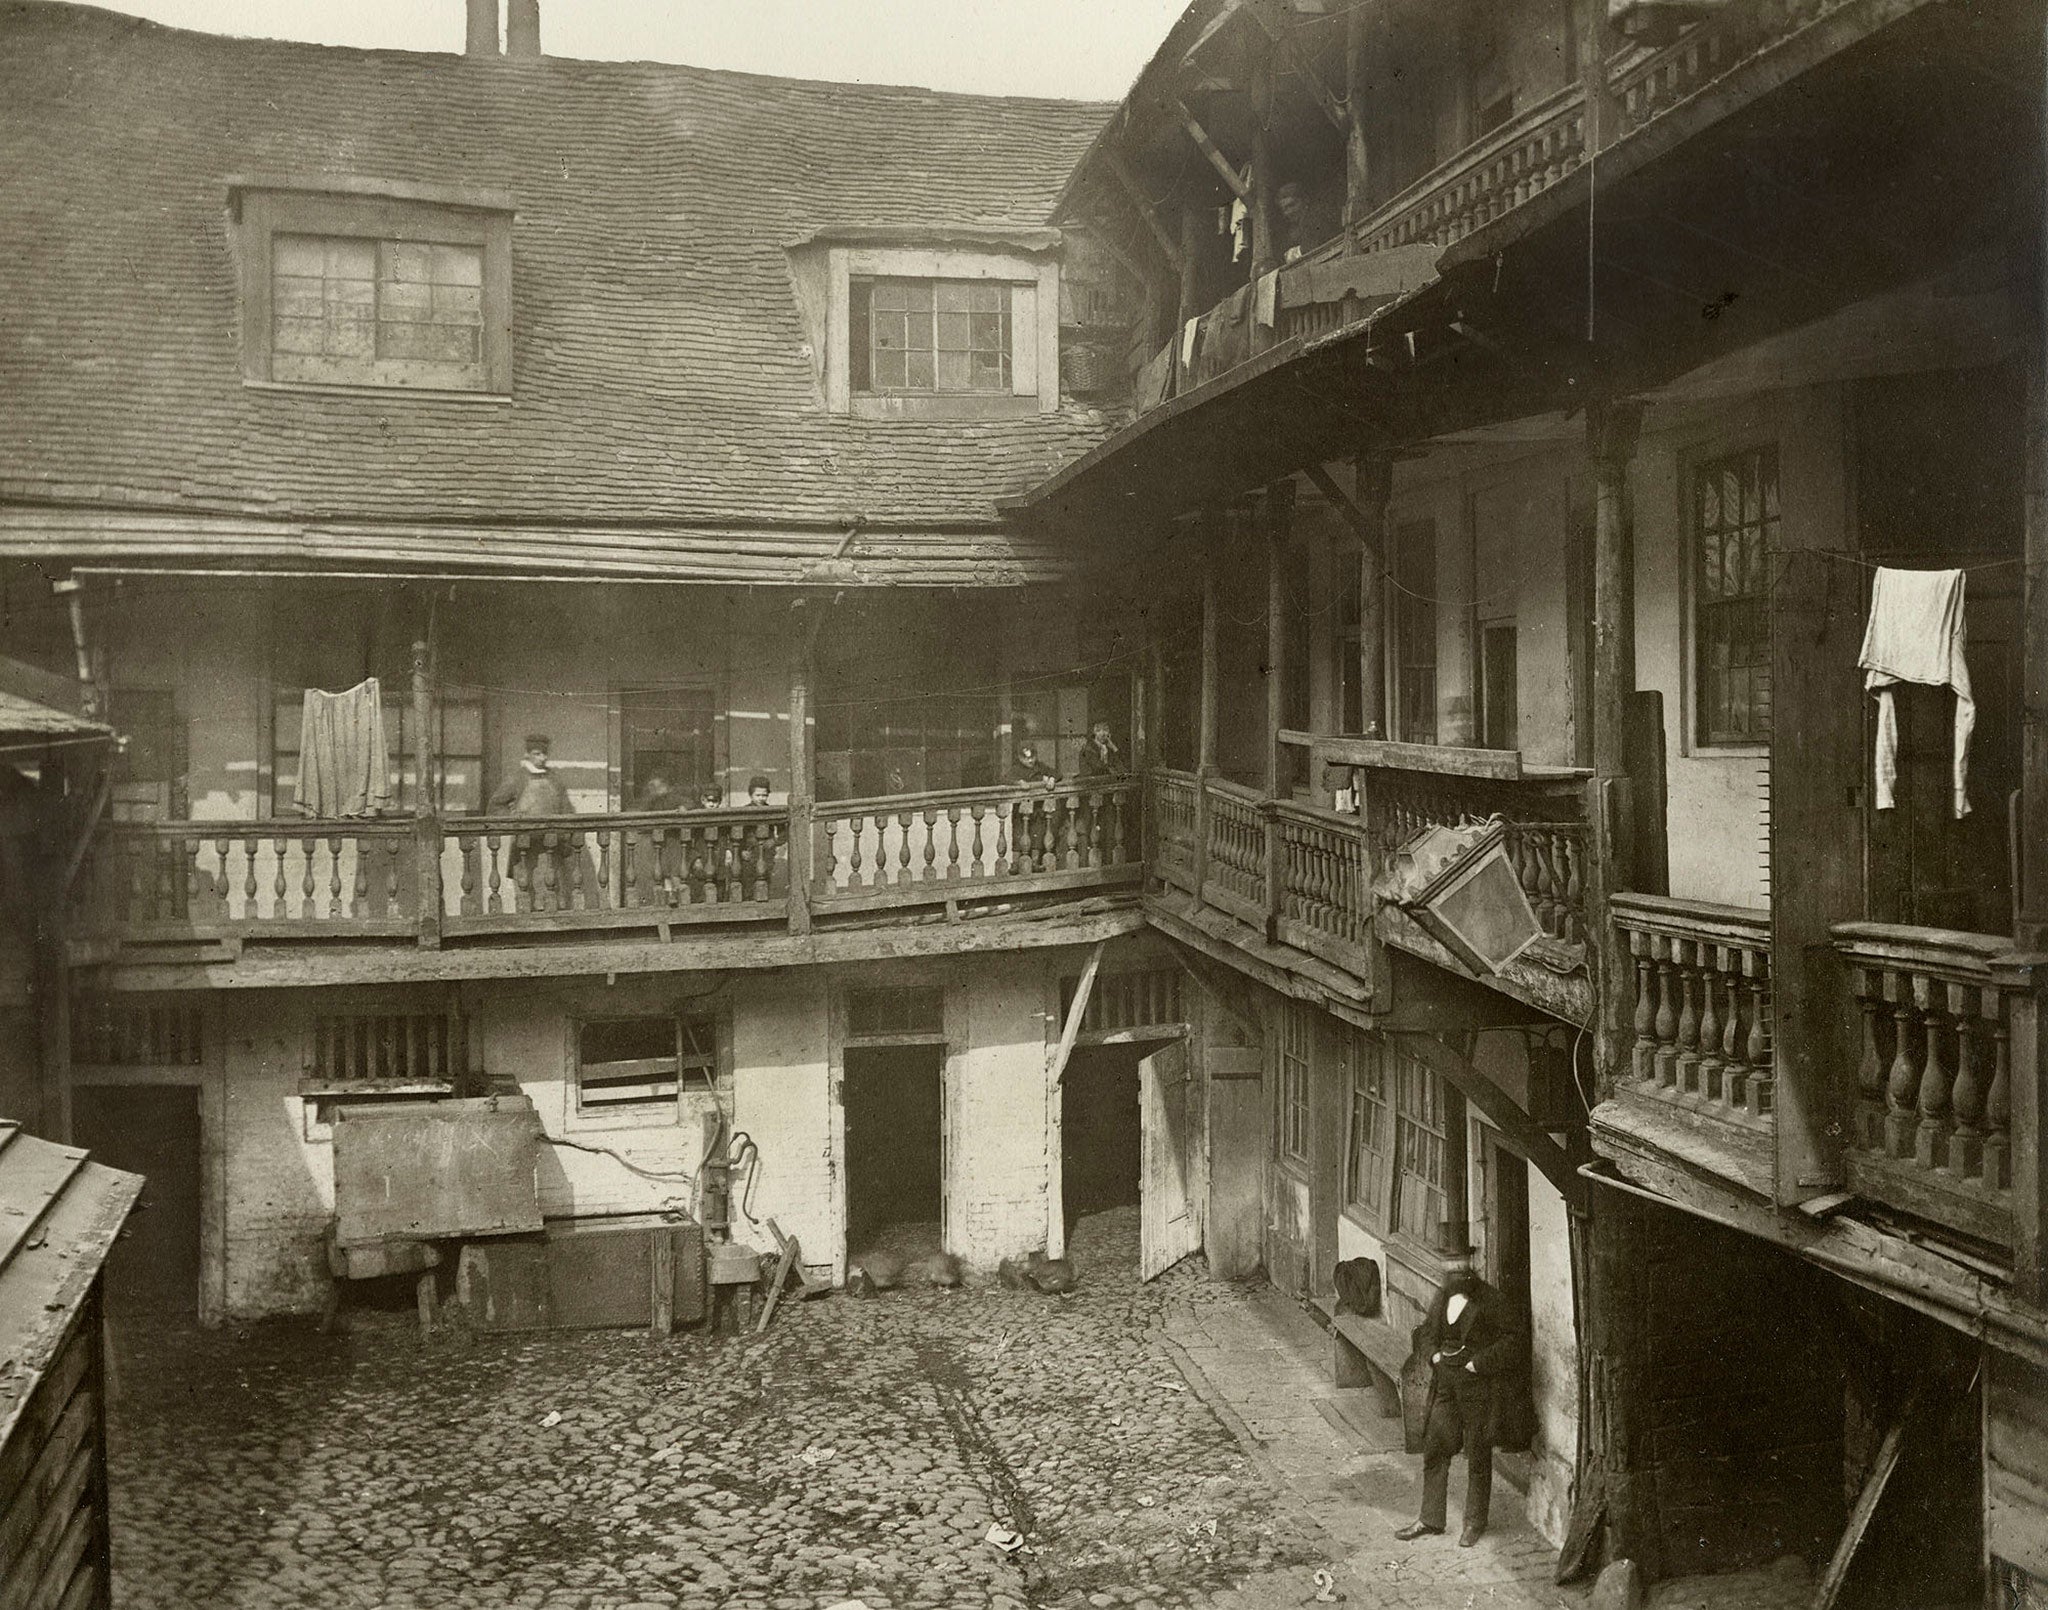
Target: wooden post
[
  {"x": 2032, "y": 894},
  {"x": 1603, "y": 123},
  {"x": 802, "y": 842},
  {"x": 662, "y": 1280},
  {"x": 1357, "y": 156},
  {"x": 53, "y": 961},
  {"x": 1278, "y": 510},
  {"x": 1192, "y": 240},
  {"x": 1205, "y": 757},
  {"x": 1374, "y": 485},
  {"x": 1454, "y": 1234},
  {"x": 426, "y": 801},
  {"x": 2029, "y": 1111},
  {"x": 1265, "y": 189},
  {"x": 1611, "y": 430}
]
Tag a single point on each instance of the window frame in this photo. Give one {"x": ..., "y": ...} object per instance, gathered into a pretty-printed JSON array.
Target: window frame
[
  {"x": 264, "y": 213},
  {"x": 862, "y": 351},
  {"x": 1034, "y": 281},
  {"x": 660, "y": 1112},
  {"x": 287, "y": 703},
  {"x": 1415, "y": 628},
  {"x": 1367, "y": 1161},
  {"x": 1696, "y": 466},
  {"x": 1293, "y": 1075},
  {"x": 1438, "y": 1140}
]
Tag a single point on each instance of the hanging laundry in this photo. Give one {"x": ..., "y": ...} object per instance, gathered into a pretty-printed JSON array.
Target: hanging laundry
[
  {"x": 344, "y": 762},
  {"x": 1916, "y": 634}
]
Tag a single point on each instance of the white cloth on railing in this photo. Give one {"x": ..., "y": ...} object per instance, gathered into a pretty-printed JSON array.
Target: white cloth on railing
[
  {"x": 344, "y": 761},
  {"x": 1916, "y": 634}
]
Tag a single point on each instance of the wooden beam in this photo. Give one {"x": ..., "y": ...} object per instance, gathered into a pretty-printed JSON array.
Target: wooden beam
[
  {"x": 1239, "y": 187},
  {"x": 1205, "y": 760},
  {"x": 1881, "y": 1468},
  {"x": 1370, "y": 529},
  {"x": 1499, "y": 1109},
  {"x": 1373, "y": 486},
  {"x": 2032, "y": 894},
  {"x": 81, "y": 841},
  {"x": 1279, "y": 512},
  {"x": 1076, "y": 1010},
  {"x": 1265, "y": 188},
  {"x": 1357, "y": 155},
  {"x": 802, "y": 809},
  {"x": 1169, "y": 248},
  {"x": 1190, "y": 280}
]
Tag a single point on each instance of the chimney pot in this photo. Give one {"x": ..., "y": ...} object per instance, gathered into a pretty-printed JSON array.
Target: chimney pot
[
  {"x": 481, "y": 37},
  {"x": 522, "y": 29}
]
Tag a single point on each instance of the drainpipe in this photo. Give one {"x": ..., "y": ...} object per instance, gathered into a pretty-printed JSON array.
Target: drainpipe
[{"x": 71, "y": 590}]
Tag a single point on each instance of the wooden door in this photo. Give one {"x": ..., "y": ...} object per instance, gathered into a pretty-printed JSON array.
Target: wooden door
[
  {"x": 1169, "y": 1224},
  {"x": 154, "y": 1131}
]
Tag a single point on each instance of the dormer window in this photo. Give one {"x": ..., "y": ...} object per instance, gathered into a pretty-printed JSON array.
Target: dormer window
[
  {"x": 402, "y": 291},
  {"x": 961, "y": 324},
  {"x": 930, "y": 336}
]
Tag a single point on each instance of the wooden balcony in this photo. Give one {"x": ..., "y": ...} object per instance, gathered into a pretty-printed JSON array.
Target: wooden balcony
[
  {"x": 475, "y": 878},
  {"x": 1702, "y": 1019},
  {"x": 1944, "y": 1018}
]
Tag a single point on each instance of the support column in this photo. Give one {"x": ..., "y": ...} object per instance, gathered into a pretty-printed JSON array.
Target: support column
[
  {"x": 802, "y": 796},
  {"x": 53, "y": 961},
  {"x": 1205, "y": 757},
  {"x": 1611, "y": 432},
  {"x": 1374, "y": 483},
  {"x": 426, "y": 798},
  {"x": 2032, "y": 895},
  {"x": 1279, "y": 518},
  {"x": 1454, "y": 1234},
  {"x": 1265, "y": 183},
  {"x": 1191, "y": 243},
  {"x": 1357, "y": 156}
]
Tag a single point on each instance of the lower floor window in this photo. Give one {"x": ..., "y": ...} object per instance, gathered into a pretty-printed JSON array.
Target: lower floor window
[
  {"x": 1365, "y": 1167},
  {"x": 1419, "y": 1142},
  {"x": 632, "y": 1065}
]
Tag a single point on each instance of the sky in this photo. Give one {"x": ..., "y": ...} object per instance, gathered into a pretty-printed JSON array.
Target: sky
[{"x": 1084, "y": 49}]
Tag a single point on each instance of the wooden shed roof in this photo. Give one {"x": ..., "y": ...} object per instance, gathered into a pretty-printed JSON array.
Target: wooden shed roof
[{"x": 59, "y": 1214}]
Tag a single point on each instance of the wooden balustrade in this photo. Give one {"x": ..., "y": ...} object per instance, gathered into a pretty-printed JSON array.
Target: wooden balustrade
[
  {"x": 310, "y": 878},
  {"x": 1702, "y": 1003},
  {"x": 1236, "y": 878},
  {"x": 1326, "y": 902},
  {"x": 1172, "y": 816},
  {"x": 718, "y": 865},
  {"x": 921, "y": 848},
  {"x": 1545, "y": 839},
  {"x": 1932, "y": 1130}
]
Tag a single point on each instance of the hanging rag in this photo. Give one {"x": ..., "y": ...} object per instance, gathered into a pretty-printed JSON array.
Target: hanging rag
[
  {"x": 1266, "y": 304},
  {"x": 344, "y": 762},
  {"x": 1916, "y": 634}
]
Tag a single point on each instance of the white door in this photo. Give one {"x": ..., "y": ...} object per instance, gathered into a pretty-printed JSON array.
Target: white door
[{"x": 1170, "y": 1225}]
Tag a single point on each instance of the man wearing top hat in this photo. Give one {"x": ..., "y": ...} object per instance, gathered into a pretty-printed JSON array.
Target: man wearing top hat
[{"x": 1473, "y": 1341}]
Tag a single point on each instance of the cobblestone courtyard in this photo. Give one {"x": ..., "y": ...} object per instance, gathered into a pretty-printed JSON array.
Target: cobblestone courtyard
[{"x": 858, "y": 1449}]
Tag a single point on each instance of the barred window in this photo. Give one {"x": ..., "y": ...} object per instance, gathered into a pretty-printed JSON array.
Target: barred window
[
  {"x": 917, "y": 1011},
  {"x": 1734, "y": 532},
  {"x": 1122, "y": 1001},
  {"x": 112, "y": 1033},
  {"x": 370, "y": 1051},
  {"x": 1297, "y": 1035}
]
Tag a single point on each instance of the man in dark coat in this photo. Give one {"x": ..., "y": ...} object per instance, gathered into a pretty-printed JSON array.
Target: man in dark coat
[{"x": 1473, "y": 1341}]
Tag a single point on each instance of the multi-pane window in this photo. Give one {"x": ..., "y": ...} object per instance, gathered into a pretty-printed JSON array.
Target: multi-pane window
[
  {"x": 1414, "y": 593},
  {"x": 668, "y": 739},
  {"x": 1297, "y": 1035},
  {"x": 1734, "y": 532},
  {"x": 107, "y": 1031},
  {"x": 354, "y": 310},
  {"x": 930, "y": 335},
  {"x": 640, "y": 1065},
  {"x": 1419, "y": 1139},
  {"x": 906, "y": 1011},
  {"x": 1372, "y": 1129}
]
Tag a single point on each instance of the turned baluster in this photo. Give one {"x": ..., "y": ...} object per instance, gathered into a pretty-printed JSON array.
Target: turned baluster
[
  {"x": 1713, "y": 969},
  {"x": 1689, "y": 954},
  {"x": 1644, "y": 1056},
  {"x": 606, "y": 855},
  {"x": 952, "y": 841},
  {"x": 975, "y": 845},
  {"x": 1667, "y": 1014},
  {"x": 1998, "y": 1102},
  {"x": 1966, "y": 1143},
  {"x": 494, "y": 875},
  {"x": 548, "y": 896},
  {"x": 1870, "y": 1067},
  {"x": 335, "y": 907},
  {"x": 1113, "y": 852},
  {"x": 1734, "y": 1062},
  {"x": 391, "y": 875},
  {"x": 1930, "y": 1136},
  {"x": 1756, "y": 968},
  {"x": 1902, "y": 1087},
  {"x": 1005, "y": 851},
  {"x": 466, "y": 883},
  {"x": 1574, "y": 886}
]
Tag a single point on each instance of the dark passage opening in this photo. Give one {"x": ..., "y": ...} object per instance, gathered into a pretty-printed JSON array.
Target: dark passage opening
[
  {"x": 894, "y": 1158},
  {"x": 151, "y": 1130},
  {"x": 1099, "y": 1130}
]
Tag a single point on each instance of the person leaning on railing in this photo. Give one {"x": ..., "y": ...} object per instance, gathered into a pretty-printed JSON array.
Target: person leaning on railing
[{"x": 535, "y": 790}]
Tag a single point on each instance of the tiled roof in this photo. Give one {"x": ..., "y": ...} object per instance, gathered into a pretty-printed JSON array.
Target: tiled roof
[{"x": 659, "y": 368}]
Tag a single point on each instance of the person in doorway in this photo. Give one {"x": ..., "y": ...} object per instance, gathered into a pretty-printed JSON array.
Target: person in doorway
[
  {"x": 657, "y": 861},
  {"x": 1038, "y": 833},
  {"x": 658, "y": 793},
  {"x": 758, "y": 790},
  {"x": 1100, "y": 756},
  {"x": 1474, "y": 1346}
]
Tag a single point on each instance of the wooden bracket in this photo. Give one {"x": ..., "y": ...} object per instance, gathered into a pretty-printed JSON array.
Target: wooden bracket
[
  {"x": 1169, "y": 248},
  {"x": 1239, "y": 187},
  {"x": 1498, "y": 1107},
  {"x": 1363, "y": 526},
  {"x": 1076, "y": 1010}
]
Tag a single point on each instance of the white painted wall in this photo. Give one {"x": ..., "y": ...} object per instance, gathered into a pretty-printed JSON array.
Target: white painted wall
[{"x": 1553, "y": 1361}]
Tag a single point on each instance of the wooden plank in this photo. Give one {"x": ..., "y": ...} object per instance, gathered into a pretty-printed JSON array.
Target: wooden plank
[
  {"x": 1444, "y": 760},
  {"x": 938, "y": 891},
  {"x": 1881, "y": 1468},
  {"x": 618, "y": 919},
  {"x": 783, "y": 1265},
  {"x": 52, "y": 1397},
  {"x": 69, "y": 1444},
  {"x": 803, "y": 843},
  {"x": 64, "y": 1560},
  {"x": 60, "y": 1530},
  {"x": 1081, "y": 923},
  {"x": 1169, "y": 248},
  {"x": 1239, "y": 187},
  {"x": 662, "y": 1283},
  {"x": 1077, "y": 1009}
]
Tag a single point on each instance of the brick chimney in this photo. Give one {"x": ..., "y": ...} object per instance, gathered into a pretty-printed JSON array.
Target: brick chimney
[
  {"x": 522, "y": 29},
  {"x": 480, "y": 40}
]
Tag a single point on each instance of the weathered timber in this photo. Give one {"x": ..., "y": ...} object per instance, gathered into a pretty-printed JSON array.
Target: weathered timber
[
  {"x": 1519, "y": 1130},
  {"x": 1077, "y": 1009},
  {"x": 1217, "y": 160}
]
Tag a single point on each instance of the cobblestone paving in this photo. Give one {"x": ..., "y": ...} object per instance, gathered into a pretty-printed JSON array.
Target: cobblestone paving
[{"x": 858, "y": 1450}]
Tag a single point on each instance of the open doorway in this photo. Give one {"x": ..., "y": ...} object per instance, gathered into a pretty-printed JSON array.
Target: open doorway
[
  {"x": 1100, "y": 1131},
  {"x": 895, "y": 1150},
  {"x": 1505, "y": 1202},
  {"x": 151, "y": 1130}
]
